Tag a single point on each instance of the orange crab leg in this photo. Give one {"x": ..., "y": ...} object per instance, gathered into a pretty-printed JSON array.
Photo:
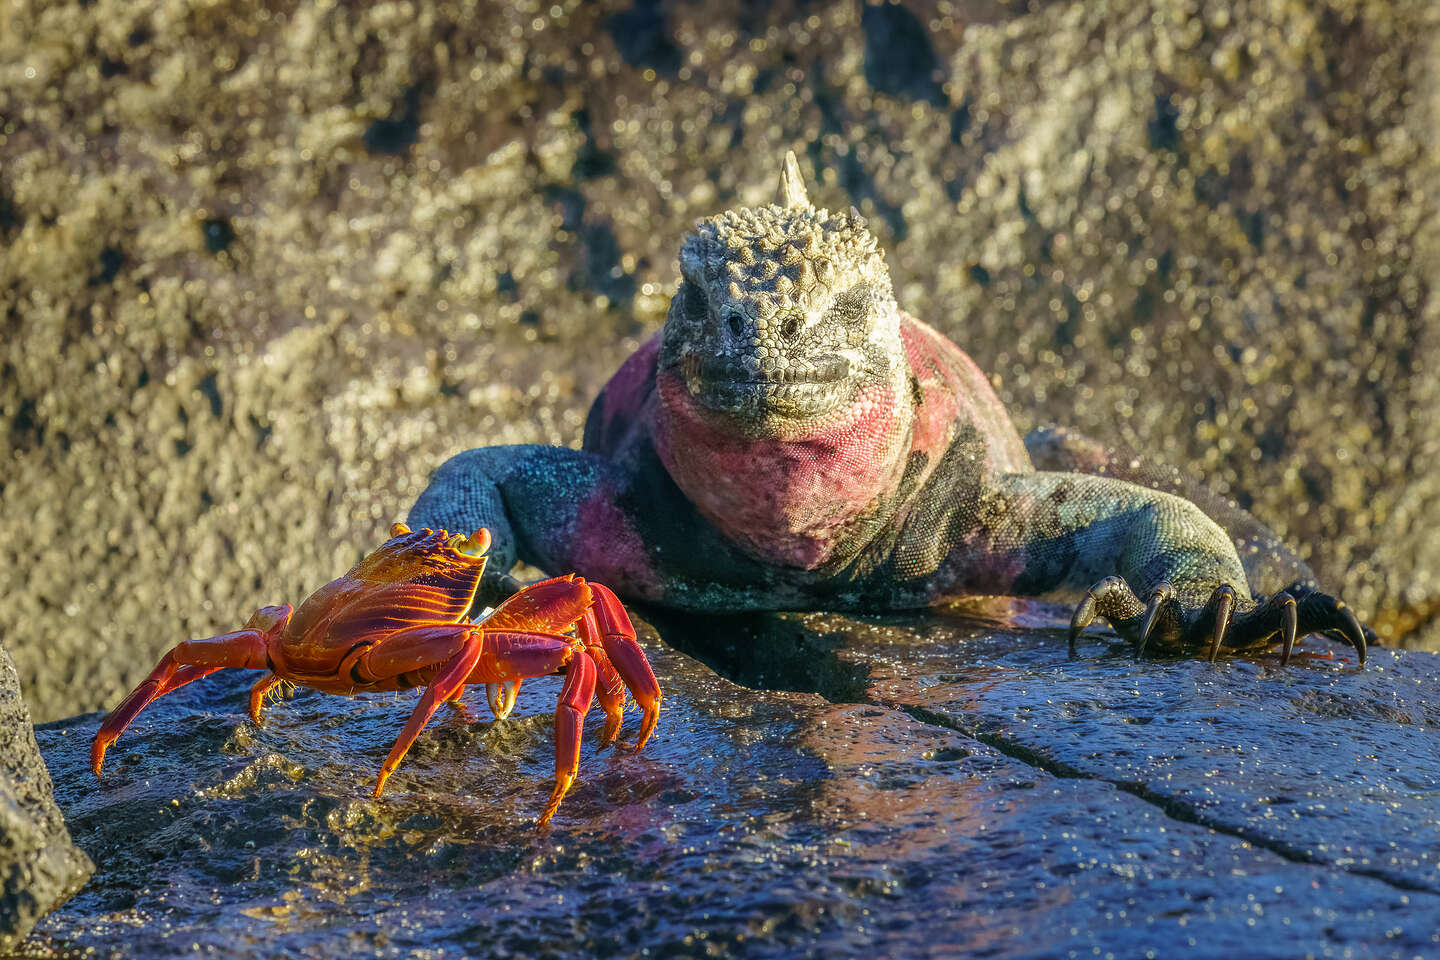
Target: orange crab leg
[
  {"x": 468, "y": 653},
  {"x": 575, "y": 698},
  {"x": 609, "y": 690},
  {"x": 489, "y": 656},
  {"x": 257, "y": 694},
  {"x": 518, "y": 654},
  {"x": 184, "y": 675},
  {"x": 550, "y": 606},
  {"x": 608, "y": 623},
  {"x": 383, "y": 666},
  {"x": 189, "y": 660},
  {"x": 451, "y": 676}
]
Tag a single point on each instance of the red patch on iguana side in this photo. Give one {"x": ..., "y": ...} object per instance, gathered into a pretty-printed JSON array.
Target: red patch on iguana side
[
  {"x": 956, "y": 391},
  {"x": 621, "y": 402},
  {"x": 604, "y": 545}
]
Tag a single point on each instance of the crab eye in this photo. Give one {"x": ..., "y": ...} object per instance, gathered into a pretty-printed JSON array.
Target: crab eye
[
  {"x": 474, "y": 545},
  {"x": 398, "y": 530}
]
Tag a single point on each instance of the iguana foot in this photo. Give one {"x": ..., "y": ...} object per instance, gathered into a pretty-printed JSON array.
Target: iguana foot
[{"x": 1164, "y": 619}]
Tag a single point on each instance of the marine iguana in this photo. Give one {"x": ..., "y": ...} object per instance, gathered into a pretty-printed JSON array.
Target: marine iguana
[{"x": 792, "y": 439}]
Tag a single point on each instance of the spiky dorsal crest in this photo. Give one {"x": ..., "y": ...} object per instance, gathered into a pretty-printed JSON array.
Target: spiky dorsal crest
[{"x": 792, "y": 193}]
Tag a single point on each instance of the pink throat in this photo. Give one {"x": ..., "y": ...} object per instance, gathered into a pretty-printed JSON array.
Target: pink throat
[{"x": 785, "y": 501}]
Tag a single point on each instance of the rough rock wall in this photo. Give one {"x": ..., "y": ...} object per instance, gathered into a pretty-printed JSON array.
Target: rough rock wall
[
  {"x": 264, "y": 265},
  {"x": 39, "y": 867}
]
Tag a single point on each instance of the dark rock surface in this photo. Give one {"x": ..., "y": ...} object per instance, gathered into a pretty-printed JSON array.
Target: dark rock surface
[
  {"x": 981, "y": 796},
  {"x": 39, "y": 867},
  {"x": 264, "y": 265}
]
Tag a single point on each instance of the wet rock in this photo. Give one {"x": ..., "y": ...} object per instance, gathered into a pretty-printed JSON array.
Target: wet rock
[
  {"x": 39, "y": 867},
  {"x": 980, "y": 794}
]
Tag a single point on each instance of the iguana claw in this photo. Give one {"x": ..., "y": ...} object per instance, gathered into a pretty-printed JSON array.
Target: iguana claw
[
  {"x": 1162, "y": 600},
  {"x": 1286, "y": 615},
  {"x": 1289, "y": 623},
  {"x": 1223, "y": 600},
  {"x": 1321, "y": 613},
  {"x": 1110, "y": 598}
]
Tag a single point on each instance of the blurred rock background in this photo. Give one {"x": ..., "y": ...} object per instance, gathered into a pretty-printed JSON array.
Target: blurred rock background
[{"x": 264, "y": 265}]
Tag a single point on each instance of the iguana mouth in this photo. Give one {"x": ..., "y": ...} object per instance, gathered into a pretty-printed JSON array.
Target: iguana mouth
[
  {"x": 797, "y": 391},
  {"x": 812, "y": 370}
]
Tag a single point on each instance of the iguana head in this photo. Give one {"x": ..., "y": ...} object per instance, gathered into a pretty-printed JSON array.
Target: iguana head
[{"x": 784, "y": 316}]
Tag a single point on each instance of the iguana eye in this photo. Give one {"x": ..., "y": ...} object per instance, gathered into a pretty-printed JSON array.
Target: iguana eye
[
  {"x": 853, "y": 305},
  {"x": 736, "y": 320}
]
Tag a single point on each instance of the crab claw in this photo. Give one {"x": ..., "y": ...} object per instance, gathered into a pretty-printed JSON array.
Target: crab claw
[{"x": 502, "y": 697}]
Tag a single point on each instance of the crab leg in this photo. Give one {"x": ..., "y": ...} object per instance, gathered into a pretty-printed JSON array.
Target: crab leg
[
  {"x": 609, "y": 690},
  {"x": 189, "y": 660},
  {"x": 554, "y": 606},
  {"x": 609, "y": 624},
  {"x": 464, "y": 652},
  {"x": 451, "y": 676},
  {"x": 549, "y": 606},
  {"x": 575, "y": 698},
  {"x": 519, "y": 654},
  {"x": 257, "y": 694}
]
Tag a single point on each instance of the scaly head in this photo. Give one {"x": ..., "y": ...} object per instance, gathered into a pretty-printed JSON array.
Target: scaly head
[{"x": 785, "y": 315}]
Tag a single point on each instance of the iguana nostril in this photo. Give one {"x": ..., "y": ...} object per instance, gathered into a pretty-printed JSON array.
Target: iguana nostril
[
  {"x": 790, "y": 329},
  {"x": 737, "y": 325}
]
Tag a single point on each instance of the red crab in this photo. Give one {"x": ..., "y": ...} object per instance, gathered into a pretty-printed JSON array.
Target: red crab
[{"x": 397, "y": 620}]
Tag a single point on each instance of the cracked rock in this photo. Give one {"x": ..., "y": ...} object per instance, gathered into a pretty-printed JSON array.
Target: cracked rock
[{"x": 935, "y": 786}]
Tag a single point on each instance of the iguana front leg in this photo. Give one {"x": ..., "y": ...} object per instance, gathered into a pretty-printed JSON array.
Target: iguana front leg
[
  {"x": 552, "y": 507},
  {"x": 1153, "y": 564}
]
